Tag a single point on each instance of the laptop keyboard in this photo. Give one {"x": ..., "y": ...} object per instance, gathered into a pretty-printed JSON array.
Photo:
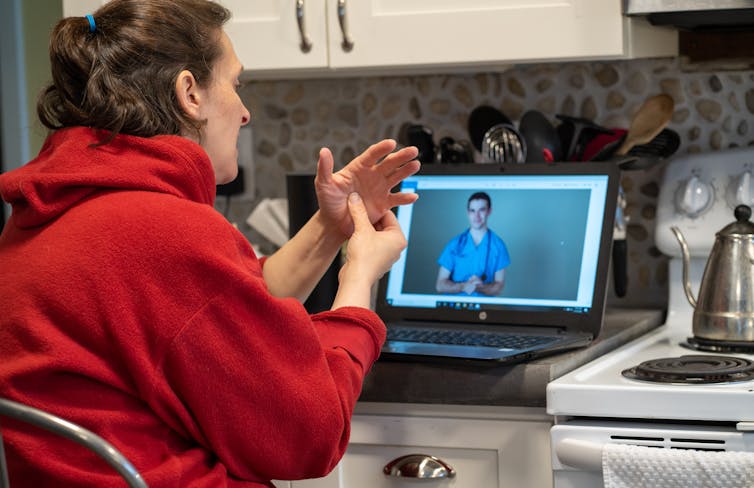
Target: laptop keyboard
[{"x": 505, "y": 340}]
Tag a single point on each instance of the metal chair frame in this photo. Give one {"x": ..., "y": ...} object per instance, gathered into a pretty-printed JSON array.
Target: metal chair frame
[{"x": 71, "y": 431}]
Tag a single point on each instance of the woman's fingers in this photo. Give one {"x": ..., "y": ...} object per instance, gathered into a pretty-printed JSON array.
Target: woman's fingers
[
  {"x": 389, "y": 221},
  {"x": 408, "y": 169},
  {"x": 374, "y": 153},
  {"x": 325, "y": 166},
  {"x": 398, "y": 159},
  {"x": 398, "y": 199},
  {"x": 358, "y": 213}
]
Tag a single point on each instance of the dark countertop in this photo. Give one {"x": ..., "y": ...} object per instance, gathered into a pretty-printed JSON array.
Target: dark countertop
[{"x": 514, "y": 385}]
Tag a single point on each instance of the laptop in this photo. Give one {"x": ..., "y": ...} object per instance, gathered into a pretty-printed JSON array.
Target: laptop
[{"x": 456, "y": 293}]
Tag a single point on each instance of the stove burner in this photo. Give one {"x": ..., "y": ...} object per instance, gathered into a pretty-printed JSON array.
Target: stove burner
[
  {"x": 708, "y": 345},
  {"x": 697, "y": 369}
]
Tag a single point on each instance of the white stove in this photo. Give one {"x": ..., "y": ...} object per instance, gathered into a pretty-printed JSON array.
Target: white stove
[{"x": 597, "y": 404}]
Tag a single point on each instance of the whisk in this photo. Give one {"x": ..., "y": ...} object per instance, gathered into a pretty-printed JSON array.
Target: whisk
[{"x": 502, "y": 143}]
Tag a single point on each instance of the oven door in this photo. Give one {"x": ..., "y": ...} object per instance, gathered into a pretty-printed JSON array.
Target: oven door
[{"x": 577, "y": 444}]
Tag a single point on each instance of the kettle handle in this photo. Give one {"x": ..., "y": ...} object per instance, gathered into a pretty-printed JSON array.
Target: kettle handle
[{"x": 685, "y": 252}]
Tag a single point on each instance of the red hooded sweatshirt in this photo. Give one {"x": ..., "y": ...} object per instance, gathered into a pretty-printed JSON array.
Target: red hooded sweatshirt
[{"x": 128, "y": 305}]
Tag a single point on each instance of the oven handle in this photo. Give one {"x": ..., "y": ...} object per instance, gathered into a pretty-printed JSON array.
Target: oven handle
[{"x": 579, "y": 454}]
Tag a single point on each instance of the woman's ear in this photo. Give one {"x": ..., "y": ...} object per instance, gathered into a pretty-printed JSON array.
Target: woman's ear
[{"x": 188, "y": 94}]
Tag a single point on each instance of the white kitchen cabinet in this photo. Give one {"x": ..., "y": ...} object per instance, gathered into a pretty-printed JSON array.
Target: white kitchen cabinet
[
  {"x": 441, "y": 32},
  {"x": 487, "y": 447},
  {"x": 421, "y": 36},
  {"x": 391, "y": 36}
]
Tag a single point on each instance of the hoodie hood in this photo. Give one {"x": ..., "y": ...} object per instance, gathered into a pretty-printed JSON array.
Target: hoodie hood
[{"x": 68, "y": 169}]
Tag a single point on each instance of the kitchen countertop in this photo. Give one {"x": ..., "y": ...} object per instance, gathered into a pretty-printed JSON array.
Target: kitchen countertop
[{"x": 520, "y": 384}]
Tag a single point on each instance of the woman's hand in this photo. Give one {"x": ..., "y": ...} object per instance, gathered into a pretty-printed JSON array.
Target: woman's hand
[
  {"x": 372, "y": 175},
  {"x": 371, "y": 250},
  {"x": 295, "y": 269}
]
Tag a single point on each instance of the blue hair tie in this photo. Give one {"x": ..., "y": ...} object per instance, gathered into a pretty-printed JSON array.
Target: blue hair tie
[{"x": 92, "y": 25}]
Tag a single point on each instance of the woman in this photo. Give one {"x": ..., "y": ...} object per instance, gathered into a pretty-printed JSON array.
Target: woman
[{"x": 131, "y": 307}]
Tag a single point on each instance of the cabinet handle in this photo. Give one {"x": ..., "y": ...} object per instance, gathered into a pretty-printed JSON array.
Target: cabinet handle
[
  {"x": 420, "y": 466},
  {"x": 347, "y": 43},
  {"x": 306, "y": 44}
]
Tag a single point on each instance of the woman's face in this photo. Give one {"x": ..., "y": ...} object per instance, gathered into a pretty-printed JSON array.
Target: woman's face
[{"x": 224, "y": 112}]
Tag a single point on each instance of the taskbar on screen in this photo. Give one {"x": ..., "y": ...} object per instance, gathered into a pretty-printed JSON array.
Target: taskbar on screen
[{"x": 457, "y": 305}]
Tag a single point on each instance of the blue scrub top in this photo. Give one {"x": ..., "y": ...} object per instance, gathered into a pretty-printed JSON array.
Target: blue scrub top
[{"x": 464, "y": 259}]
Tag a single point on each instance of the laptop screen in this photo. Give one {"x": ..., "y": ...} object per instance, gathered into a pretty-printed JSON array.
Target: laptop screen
[{"x": 516, "y": 244}]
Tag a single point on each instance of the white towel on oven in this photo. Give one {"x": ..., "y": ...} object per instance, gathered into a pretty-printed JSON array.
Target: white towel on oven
[{"x": 628, "y": 466}]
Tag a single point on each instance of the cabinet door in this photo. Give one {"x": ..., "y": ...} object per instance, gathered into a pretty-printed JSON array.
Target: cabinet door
[
  {"x": 266, "y": 35},
  {"x": 436, "y": 32}
]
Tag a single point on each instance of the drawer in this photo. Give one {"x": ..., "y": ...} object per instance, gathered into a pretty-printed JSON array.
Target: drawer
[{"x": 500, "y": 453}]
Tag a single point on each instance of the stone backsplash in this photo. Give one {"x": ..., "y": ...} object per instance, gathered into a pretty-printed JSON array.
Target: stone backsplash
[{"x": 293, "y": 119}]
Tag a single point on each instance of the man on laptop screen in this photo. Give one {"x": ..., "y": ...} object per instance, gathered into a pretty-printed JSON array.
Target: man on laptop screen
[{"x": 474, "y": 261}]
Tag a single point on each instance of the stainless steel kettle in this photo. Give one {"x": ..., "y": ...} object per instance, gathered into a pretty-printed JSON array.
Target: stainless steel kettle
[{"x": 725, "y": 309}]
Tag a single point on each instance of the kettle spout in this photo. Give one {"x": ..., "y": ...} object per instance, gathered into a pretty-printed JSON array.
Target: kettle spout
[{"x": 685, "y": 252}]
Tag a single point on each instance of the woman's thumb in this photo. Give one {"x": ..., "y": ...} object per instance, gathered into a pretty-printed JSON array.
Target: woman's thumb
[
  {"x": 325, "y": 165},
  {"x": 357, "y": 210}
]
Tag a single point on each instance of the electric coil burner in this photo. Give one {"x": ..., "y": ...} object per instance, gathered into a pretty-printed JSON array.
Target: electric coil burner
[
  {"x": 706, "y": 345},
  {"x": 693, "y": 370}
]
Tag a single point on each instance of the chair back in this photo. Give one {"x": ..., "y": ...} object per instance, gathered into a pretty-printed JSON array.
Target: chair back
[{"x": 69, "y": 430}]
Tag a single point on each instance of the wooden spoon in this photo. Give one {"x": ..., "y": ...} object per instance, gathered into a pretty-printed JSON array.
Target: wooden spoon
[{"x": 653, "y": 115}]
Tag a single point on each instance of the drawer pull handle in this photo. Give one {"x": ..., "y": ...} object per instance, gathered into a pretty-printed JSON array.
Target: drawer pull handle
[
  {"x": 420, "y": 466},
  {"x": 306, "y": 44}
]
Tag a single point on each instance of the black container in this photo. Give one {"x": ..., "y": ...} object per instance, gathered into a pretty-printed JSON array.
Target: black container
[{"x": 302, "y": 204}]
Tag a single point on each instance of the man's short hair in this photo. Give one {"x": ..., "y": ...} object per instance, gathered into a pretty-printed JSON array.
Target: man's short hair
[{"x": 480, "y": 195}]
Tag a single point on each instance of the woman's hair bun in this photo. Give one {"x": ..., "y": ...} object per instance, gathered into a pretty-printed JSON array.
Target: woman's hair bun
[{"x": 120, "y": 74}]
